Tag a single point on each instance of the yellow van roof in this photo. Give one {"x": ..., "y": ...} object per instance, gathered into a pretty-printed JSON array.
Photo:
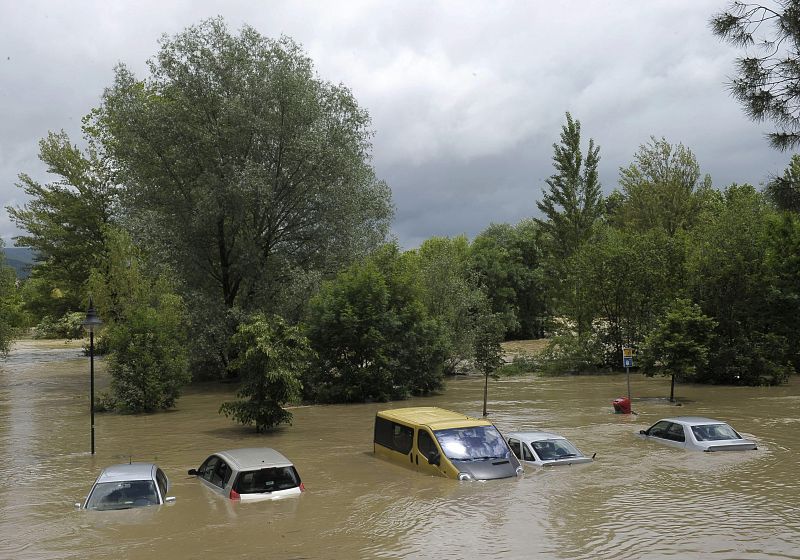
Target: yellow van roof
[{"x": 433, "y": 417}]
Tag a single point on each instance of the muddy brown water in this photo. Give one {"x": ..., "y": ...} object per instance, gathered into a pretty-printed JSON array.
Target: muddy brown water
[{"x": 638, "y": 500}]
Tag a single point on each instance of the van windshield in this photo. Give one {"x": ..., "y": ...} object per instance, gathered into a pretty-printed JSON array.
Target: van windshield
[{"x": 473, "y": 443}]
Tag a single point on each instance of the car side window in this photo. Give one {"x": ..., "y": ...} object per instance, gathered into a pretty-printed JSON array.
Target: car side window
[
  {"x": 222, "y": 473},
  {"x": 675, "y": 433},
  {"x": 515, "y": 447},
  {"x": 659, "y": 429},
  {"x": 163, "y": 485},
  {"x": 207, "y": 469},
  {"x": 526, "y": 453}
]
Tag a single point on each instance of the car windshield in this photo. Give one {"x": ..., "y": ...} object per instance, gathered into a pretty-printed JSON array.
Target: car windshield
[
  {"x": 714, "y": 432},
  {"x": 267, "y": 480},
  {"x": 550, "y": 449},
  {"x": 473, "y": 443},
  {"x": 122, "y": 495}
]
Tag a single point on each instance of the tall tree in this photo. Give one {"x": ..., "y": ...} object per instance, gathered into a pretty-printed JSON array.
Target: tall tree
[
  {"x": 679, "y": 345},
  {"x": 241, "y": 164},
  {"x": 373, "y": 335},
  {"x": 145, "y": 332},
  {"x": 509, "y": 263},
  {"x": 784, "y": 191},
  {"x": 661, "y": 188},
  {"x": 768, "y": 76},
  {"x": 730, "y": 277},
  {"x": 64, "y": 219},
  {"x": 451, "y": 294},
  {"x": 10, "y": 316},
  {"x": 573, "y": 200}
]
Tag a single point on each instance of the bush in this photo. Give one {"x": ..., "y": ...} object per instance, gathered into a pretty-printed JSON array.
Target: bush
[
  {"x": 521, "y": 364},
  {"x": 373, "y": 336},
  {"x": 270, "y": 357},
  {"x": 569, "y": 353},
  {"x": 69, "y": 326},
  {"x": 148, "y": 362}
]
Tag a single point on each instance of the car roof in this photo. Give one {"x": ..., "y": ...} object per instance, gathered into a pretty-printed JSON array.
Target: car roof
[
  {"x": 693, "y": 420},
  {"x": 434, "y": 417},
  {"x": 128, "y": 471},
  {"x": 249, "y": 458},
  {"x": 529, "y": 437}
]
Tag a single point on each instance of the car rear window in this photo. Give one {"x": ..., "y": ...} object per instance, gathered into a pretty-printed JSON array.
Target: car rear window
[{"x": 267, "y": 480}]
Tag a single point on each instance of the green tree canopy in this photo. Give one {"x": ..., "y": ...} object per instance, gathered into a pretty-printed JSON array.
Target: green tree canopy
[
  {"x": 373, "y": 335},
  {"x": 145, "y": 333},
  {"x": 271, "y": 357},
  {"x": 573, "y": 200},
  {"x": 730, "y": 277},
  {"x": 661, "y": 188},
  {"x": 679, "y": 345},
  {"x": 508, "y": 261},
  {"x": 784, "y": 191},
  {"x": 65, "y": 219},
  {"x": 240, "y": 163},
  {"x": 451, "y": 294},
  {"x": 11, "y": 315}
]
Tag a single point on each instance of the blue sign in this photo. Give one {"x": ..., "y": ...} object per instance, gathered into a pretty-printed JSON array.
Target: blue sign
[{"x": 627, "y": 362}]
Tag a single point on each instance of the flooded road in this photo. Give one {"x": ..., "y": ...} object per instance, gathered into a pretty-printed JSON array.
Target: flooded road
[{"x": 638, "y": 500}]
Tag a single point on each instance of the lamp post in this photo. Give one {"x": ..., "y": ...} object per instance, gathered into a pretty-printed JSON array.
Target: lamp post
[{"x": 91, "y": 323}]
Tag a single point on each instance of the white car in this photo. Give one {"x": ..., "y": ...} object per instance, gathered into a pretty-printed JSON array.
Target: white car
[
  {"x": 697, "y": 433},
  {"x": 255, "y": 473},
  {"x": 128, "y": 486},
  {"x": 545, "y": 449}
]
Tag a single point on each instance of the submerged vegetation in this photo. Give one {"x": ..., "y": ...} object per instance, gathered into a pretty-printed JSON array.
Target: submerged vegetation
[{"x": 228, "y": 222}]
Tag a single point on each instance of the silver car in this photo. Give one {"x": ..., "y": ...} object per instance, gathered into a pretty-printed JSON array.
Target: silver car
[
  {"x": 256, "y": 473},
  {"x": 128, "y": 486},
  {"x": 697, "y": 433},
  {"x": 545, "y": 449}
]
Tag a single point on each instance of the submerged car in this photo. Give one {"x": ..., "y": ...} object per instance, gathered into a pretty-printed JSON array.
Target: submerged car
[
  {"x": 254, "y": 473},
  {"x": 443, "y": 443},
  {"x": 697, "y": 433},
  {"x": 545, "y": 449},
  {"x": 128, "y": 486}
]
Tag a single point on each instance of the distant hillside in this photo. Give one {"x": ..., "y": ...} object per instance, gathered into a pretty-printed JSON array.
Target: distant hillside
[{"x": 20, "y": 259}]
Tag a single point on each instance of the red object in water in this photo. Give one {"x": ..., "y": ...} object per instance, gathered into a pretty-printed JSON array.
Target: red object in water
[{"x": 622, "y": 405}]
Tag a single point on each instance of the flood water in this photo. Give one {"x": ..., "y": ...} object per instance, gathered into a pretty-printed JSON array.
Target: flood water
[{"x": 638, "y": 500}]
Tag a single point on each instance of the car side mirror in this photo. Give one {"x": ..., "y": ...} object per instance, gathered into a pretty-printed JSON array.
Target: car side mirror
[
  {"x": 193, "y": 472},
  {"x": 78, "y": 505},
  {"x": 434, "y": 458},
  {"x": 169, "y": 500},
  {"x": 643, "y": 432}
]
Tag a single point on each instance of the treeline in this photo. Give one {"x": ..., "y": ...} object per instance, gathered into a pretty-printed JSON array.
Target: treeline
[{"x": 226, "y": 219}]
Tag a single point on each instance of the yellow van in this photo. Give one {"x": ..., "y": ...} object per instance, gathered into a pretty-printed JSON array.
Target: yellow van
[{"x": 444, "y": 443}]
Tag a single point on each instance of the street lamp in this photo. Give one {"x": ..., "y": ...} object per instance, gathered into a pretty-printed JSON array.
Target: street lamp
[{"x": 91, "y": 323}]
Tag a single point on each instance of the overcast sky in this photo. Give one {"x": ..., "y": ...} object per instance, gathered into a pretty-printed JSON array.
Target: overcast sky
[{"x": 466, "y": 98}]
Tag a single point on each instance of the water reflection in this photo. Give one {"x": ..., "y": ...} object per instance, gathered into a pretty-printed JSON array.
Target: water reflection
[{"x": 638, "y": 499}]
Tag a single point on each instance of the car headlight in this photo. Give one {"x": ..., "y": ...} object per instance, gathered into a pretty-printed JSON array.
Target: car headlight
[
  {"x": 520, "y": 471},
  {"x": 464, "y": 476}
]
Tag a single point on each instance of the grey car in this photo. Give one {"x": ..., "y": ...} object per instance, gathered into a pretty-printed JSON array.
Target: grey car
[
  {"x": 697, "y": 433},
  {"x": 254, "y": 473},
  {"x": 128, "y": 486}
]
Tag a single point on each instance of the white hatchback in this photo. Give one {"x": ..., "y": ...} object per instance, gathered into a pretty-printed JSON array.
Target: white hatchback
[
  {"x": 697, "y": 433},
  {"x": 255, "y": 473},
  {"x": 545, "y": 449}
]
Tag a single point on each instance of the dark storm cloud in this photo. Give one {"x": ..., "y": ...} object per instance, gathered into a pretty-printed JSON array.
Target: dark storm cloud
[{"x": 466, "y": 98}]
